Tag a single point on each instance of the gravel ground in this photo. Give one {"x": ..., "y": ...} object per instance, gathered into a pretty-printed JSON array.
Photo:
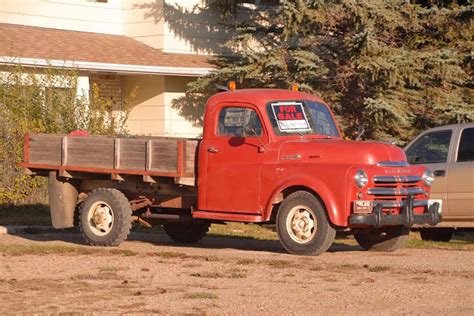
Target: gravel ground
[{"x": 149, "y": 274}]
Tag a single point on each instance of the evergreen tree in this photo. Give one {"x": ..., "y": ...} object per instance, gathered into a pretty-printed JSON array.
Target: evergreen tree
[{"x": 394, "y": 67}]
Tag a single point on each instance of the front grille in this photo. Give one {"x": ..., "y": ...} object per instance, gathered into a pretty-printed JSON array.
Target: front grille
[
  {"x": 395, "y": 189},
  {"x": 395, "y": 179},
  {"x": 397, "y": 204},
  {"x": 391, "y": 192}
]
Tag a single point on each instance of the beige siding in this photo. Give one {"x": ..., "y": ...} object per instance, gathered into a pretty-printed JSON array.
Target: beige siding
[
  {"x": 76, "y": 15},
  {"x": 188, "y": 29},
  {"x": 175, "y": 124},
  {"x": 176, "y": 26},
  {"x": 146, "y": 117},
  {"x": 153, "y": 113},
  {"x": 143, "y": 21}
]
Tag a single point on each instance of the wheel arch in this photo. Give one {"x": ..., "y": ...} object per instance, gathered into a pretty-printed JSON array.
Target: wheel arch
[{"x": 321, "y": 192}]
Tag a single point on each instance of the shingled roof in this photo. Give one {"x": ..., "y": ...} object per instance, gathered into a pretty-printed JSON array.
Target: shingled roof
[{"x": 37, "y": 45}]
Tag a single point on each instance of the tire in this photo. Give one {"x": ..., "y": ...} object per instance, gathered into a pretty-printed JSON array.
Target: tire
[
  {"x": 436, "y": 234},
  {"x": 302, "y": 225},
  {"x": 385, "y": 239},
  {"x": 186, "y": 232},
  {"x": 105, "y": 217}
]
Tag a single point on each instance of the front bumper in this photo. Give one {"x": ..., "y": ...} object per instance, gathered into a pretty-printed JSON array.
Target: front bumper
[{"x": 407, "y": 217}]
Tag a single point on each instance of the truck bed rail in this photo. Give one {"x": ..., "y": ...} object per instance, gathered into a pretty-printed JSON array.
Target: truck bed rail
[{"x": 147, "y": 156}]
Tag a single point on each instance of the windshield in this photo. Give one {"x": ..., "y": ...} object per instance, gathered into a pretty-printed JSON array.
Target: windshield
[{"x": 301, "y": 118}]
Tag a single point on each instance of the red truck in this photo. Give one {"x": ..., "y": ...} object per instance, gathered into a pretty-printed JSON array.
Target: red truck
[{"x": 266, "y": 156}]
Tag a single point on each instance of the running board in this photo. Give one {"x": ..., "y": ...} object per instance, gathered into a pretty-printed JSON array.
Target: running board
[{"x": 232, "y": 217}]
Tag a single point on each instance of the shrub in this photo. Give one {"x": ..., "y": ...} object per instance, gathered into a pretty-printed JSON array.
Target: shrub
[{"x": 46, "y": 101}]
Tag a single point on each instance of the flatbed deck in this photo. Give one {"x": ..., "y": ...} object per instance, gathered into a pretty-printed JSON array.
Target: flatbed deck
[{"x": 146, "y": 156}]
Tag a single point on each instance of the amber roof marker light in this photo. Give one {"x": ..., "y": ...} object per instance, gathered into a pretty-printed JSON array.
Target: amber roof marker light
[
  {"x": 231, "y": 85},
  {"x": 295, "y": 87}
]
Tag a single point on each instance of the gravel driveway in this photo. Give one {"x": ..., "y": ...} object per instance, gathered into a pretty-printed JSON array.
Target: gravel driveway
[{"x": 149, "y": 274}]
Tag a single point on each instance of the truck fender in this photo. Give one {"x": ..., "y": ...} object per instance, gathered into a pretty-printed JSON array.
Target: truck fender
[
  {"x": 317, "y": 187},
  {"x": 62, "y": 201}
]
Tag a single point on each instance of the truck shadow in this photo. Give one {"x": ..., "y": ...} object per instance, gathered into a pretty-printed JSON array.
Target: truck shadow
[{"x": 73, "y": 236}]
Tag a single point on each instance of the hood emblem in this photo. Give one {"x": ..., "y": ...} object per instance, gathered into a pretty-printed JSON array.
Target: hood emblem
[
  {"x": 291, "y": 157},
  {"x": 397, "y": 171}
]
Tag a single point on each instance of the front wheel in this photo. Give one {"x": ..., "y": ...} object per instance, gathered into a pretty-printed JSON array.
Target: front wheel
[
  {"x": 105, "y": 217},
  {"x": 303, "y": 226},
  {"x": 385, "y": 239}
]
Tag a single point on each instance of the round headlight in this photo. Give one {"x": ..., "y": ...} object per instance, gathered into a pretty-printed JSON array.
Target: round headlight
[
  {"x": 428, "y": 178},
  {"x": 361, "y": 178}
]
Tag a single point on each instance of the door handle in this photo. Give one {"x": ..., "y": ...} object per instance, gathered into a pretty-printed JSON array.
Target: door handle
[
  {"x": 439, "y": 173},
  {"x": 212, "y": 150}
]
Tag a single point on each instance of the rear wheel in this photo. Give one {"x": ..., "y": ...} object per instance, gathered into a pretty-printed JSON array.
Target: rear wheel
[
  {"x": 436, "y": 234},
  {"x": 302, "y": 225},
  {"x": 385, "y": 239},
  {"x": 186, "y": 232},
  {"x": 105, "y": 217}
]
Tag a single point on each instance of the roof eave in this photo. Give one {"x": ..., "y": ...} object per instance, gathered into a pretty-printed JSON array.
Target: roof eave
[{"x": 106, "y": 67}]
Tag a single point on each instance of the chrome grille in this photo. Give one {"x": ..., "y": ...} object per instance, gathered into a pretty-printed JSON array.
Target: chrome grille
[
  {"x": 396, "y": 204},
  {"x": 395, "y": 179},
  {"x": 395, "y": 188},
  {"x": 391, "y": 190},
  {"x": 395, "y": 191}
]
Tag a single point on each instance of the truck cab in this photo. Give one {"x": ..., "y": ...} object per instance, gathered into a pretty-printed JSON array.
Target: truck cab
[
  {"x": 262, "y": 147},
  {"x": 266, "y": 156}
]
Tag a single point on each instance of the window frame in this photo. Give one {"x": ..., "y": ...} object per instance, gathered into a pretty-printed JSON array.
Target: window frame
[
  {"x": 459, "y": 144},
  {"x": 227, "y": 106},
  {"x": 451, "y": 138}
]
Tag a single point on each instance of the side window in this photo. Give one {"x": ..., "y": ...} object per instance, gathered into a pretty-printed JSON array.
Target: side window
[
  {"x": 430, "y": 148},
  {"x": 466, "y": 145},
  {"x": 239, "y": 122}
]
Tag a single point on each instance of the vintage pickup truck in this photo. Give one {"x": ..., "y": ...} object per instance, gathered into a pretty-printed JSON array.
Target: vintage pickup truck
[{"x": 266, "y": 156}]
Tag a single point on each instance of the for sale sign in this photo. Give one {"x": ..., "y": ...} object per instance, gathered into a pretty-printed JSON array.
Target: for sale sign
[{"x": 290, "y": 116}]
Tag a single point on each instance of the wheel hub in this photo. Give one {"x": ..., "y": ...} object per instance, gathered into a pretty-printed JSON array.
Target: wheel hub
[
  {"x": 301, "y": 223},
  {"x": 101, "y": 218}
]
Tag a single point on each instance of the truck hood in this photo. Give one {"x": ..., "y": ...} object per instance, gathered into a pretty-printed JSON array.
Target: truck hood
[{"x": 337, "y": 151}]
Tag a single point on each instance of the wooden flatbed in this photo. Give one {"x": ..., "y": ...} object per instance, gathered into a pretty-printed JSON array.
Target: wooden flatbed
[{"x": 146, "y": 156}]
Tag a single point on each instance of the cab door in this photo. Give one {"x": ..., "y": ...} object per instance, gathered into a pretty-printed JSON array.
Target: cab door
[
  {"x": 235, "y": 153},
  {"x": 461, "y": 178},
  {"x": 432, "y": 149}
]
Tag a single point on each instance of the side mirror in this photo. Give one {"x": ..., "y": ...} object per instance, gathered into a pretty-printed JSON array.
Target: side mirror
[{"x": 250, "y": 131}]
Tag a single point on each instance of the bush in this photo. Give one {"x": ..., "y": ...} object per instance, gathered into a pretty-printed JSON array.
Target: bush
[{"x": 46, "y": 101}]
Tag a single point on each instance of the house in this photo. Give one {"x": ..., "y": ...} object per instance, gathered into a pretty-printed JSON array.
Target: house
[{"x": 158, "y": 45}]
